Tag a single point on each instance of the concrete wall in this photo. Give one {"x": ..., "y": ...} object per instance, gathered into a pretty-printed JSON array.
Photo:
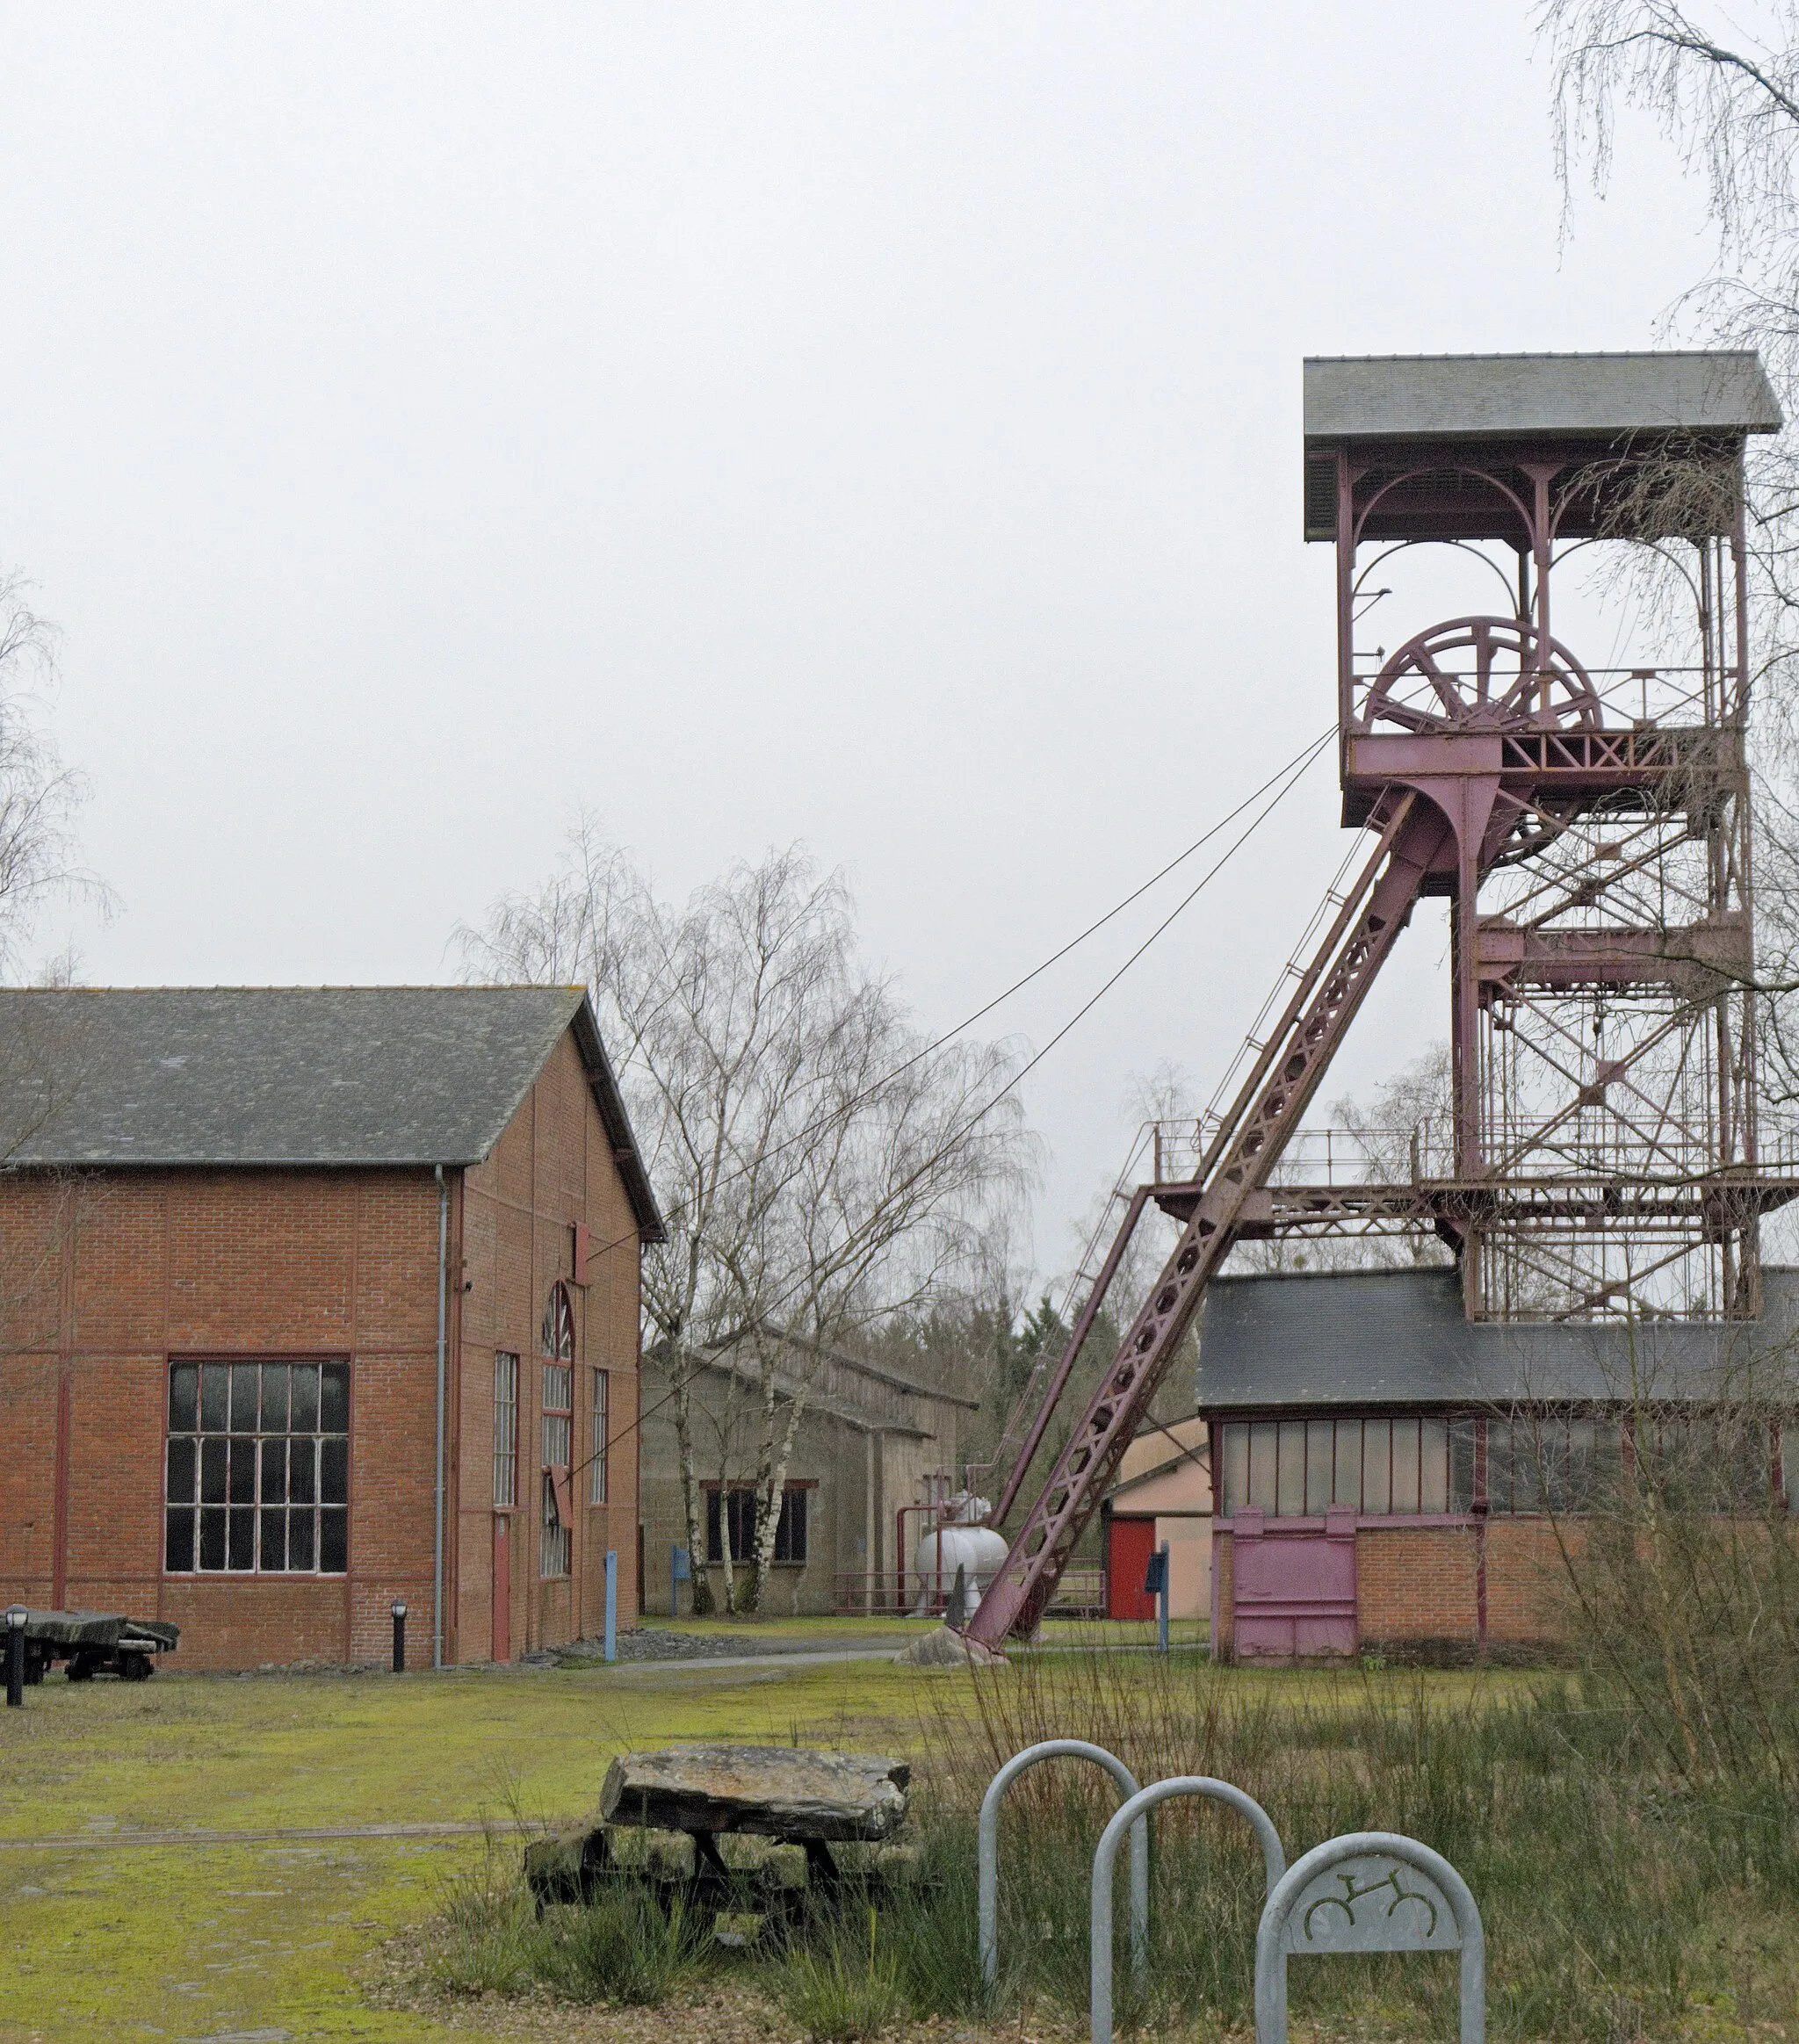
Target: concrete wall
[{"x": 843, "y": 1465}]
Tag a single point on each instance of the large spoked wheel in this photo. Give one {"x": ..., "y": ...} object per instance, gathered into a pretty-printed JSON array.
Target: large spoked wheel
[{"x": 1481, "y": 674}]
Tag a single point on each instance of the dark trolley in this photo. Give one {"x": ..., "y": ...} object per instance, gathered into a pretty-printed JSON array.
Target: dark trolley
[{"x": 96, "y": 1642}]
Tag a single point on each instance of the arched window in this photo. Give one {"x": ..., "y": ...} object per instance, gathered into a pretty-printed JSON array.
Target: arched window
[
  {"x": 559, "y": 1430},
  {"x": 558, "y": 1326}
]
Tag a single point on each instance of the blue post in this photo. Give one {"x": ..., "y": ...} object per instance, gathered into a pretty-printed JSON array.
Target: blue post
[
  {"x": 1162, "y": 1606},
  {"x": 1155, "y": 1584},
  {"x": 611, "y": 1646},
  {"x": 680, "y": 1571}
]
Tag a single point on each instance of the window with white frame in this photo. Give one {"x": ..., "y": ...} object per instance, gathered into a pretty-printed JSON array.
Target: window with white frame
[
  {"x": 597, "y": 1445},
  {"x": 558, "y": 1410},
  {"x": 505, "y": 1429},
  {"x": 257, "y": 1469}
]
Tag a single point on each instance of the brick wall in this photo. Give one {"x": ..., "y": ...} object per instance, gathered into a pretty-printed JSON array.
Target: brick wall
[
  {"x": 1417, "y": 1587},
  {"x": 1224, "y": 1593},
  {"x": 1527, "y": 1583},
  {"x": 551, "y": 1169},
  {"x": 106, "y": 1277}
]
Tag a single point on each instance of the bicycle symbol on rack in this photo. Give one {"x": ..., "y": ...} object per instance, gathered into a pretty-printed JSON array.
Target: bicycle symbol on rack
[{"x": 1351, "y": 1894}]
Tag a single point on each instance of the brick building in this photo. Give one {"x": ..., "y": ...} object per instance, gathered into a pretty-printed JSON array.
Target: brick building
[
  {"x": 1392, "y": 1476},
  {"x": 873, "y": 1449},
  {"x": 313, "y": 1298}
]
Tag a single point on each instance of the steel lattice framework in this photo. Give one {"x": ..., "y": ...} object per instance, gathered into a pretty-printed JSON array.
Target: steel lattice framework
[{"x": 1591, "y": 831}]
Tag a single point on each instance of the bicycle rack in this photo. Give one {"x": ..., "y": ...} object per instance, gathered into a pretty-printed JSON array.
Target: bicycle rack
[
  {"x": 1105, "y": 1859},
  {"x": 1316, "y": 1908},
  {"x": 988, "y": 1848}
]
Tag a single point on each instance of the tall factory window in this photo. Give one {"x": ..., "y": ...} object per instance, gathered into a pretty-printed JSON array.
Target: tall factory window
[
  {"x": 1299, "y": 1468},
  {"x": 257, "y": 1474},
  {"x": 505, "y": 1429},
  {"x": 558, "y": 1410},
  {"x": 596, "y": 1447}
]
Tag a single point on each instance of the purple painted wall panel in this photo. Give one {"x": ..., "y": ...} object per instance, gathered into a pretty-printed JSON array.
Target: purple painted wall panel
[{"x": 1294, "y": 1591}]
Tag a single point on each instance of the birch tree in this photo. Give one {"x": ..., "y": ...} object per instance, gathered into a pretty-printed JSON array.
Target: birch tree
[
  {"x": 822, "y": 1165},
  {"x": 1722, "y": 88},
  {"x": 39, "y": 795}
]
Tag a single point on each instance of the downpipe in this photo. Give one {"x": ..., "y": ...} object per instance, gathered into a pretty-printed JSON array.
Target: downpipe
[{"x": 438, "y": 1499}]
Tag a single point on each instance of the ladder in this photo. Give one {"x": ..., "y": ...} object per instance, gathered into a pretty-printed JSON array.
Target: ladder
[
  {"x": 1043, "y": 1387},
  {"x": 1274, "y": 1097}
]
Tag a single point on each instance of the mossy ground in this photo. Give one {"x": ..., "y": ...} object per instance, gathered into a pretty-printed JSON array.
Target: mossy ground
[
  {"x": 131, "y": 1940},
  {"x": 128, "y": 1940},
  {"x": 294, "y": 1937}
]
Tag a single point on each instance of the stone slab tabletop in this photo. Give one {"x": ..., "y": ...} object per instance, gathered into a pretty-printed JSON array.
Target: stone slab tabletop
[{"x": 781, "y": 1792}]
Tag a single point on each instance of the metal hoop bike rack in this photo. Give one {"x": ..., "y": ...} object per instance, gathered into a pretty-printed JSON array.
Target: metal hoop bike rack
[
  {"x": 1135, "y": 1812},
  {"x": 1318, "y": 1907},
  {"x": 989, "y": 1849}
]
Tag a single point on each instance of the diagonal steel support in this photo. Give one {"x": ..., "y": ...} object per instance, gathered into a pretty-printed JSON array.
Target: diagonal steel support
[
  {"x": 1024, "y": 1432},
  {"x": 1417, "y": 839}
]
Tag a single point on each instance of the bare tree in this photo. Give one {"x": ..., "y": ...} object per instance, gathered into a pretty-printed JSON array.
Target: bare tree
[
  {"x": 824, "y": 1168},
  {"x": 1724, "y": 92},
  {"x": 39, "y": 795}
]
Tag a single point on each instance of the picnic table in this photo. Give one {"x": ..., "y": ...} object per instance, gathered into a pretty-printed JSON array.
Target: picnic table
[
  {"x": 792, "y": 1795},
  {"x": 96, "y": 1642}
]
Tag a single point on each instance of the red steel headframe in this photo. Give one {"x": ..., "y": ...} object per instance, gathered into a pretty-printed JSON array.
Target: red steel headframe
[{"x": 1415, "y": 840}]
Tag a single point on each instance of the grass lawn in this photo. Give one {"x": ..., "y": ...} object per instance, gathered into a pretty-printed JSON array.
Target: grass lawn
[
  {"x": 261, "y": 1940},
  {"x": 128, "y": 1940}
]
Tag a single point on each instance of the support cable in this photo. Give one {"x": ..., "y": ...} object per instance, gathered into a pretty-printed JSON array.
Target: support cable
[{"x": 1289, "y": 777}]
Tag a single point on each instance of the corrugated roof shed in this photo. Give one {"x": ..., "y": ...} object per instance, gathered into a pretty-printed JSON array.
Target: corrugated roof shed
[
  {"x": 1352, "y": 398},
  {"x": 289, "y": 1075},
  {"x": 1355, "y": 1340}
]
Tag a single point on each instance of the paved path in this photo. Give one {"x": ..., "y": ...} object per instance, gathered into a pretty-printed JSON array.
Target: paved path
[
  {"x": 87, "y": 1841},
  {"x": 787, "y": 1657}
]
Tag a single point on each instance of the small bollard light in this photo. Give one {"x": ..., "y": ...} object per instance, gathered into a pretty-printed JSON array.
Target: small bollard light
[
  {"x": 16, "y": 1619},
  {"x": 398, "y": 1607}
]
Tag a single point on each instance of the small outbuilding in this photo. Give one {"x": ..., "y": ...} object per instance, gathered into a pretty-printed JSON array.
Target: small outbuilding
[
  {"x": 1163, "y": 1497},
  {"x": 1392, "y": 1476},
  {"x": 875, "y": 1454}
]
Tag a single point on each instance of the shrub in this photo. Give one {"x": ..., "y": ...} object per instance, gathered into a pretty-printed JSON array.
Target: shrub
[
  {"x": 843, "y": 1988},
  {"x": 489, "y": 1941},
  {"x": 620, "y": 1947}
]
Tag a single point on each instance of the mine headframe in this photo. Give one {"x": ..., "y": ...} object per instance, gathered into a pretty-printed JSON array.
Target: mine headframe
[{"x": 1589, "y": 828}]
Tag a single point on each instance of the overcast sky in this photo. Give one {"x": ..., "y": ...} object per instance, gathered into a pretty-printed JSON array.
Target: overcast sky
[{"x": 877, "y": 426}]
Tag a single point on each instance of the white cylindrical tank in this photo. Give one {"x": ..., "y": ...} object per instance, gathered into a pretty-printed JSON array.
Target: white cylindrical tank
[{"x": 977, "y": 1550}]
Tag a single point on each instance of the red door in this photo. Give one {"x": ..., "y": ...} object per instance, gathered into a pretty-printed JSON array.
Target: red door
[
  {"x": 1293, "y": 1595},
  {"x": 503, "y": 1586},
  {"x": 1130, "y": 1542}
]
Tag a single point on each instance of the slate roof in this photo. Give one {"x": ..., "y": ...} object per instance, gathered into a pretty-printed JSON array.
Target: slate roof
[
  {"x": 289, "y": 1075},
  {"x": 1336, "y": 1340},
  {"x": 1478, "y": 397}
]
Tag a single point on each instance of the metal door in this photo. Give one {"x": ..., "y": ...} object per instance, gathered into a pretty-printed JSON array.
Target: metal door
[
  {"x": 1293, "y": 1587},
  {"x": 1130, "y": 1542}
]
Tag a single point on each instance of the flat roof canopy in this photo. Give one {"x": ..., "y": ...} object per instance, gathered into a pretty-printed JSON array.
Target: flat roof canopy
[{"x": 1712, "y": 393}]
